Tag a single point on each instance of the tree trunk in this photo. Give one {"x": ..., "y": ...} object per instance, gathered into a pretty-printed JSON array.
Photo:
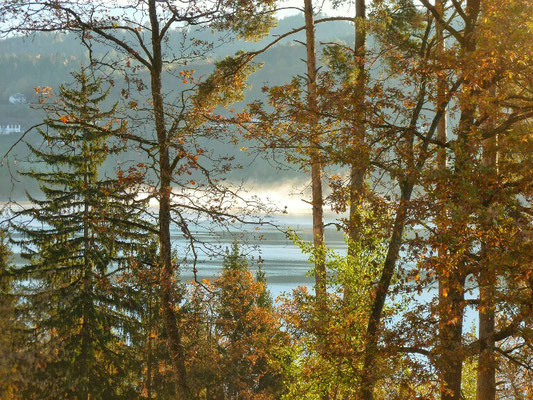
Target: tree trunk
[
  {"x": 371, "y": 348},
  {"x": 451, "y": 290},
  {"x": 451, "y": 373},
  {"x": 316, "y": 165},
  {"x": 316, "y": 169},
  {"x": 486, "y": 372},
  {"x": 359, "y": 162},
  {"x": 167, "y": 270},
  {"x": 451, "y": 310}
]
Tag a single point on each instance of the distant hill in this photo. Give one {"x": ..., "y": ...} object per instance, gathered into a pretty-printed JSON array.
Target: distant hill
[{"x": 46, "y": 59}]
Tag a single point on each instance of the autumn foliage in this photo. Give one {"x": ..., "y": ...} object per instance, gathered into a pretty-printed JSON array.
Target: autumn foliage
[{"x": 416, "y": 134}]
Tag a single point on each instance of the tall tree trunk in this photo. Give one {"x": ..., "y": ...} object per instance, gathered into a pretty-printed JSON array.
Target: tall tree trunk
[
  {"x": 371, "y": 347},
  {"x": 316, "y": 165},
  {"x": 316, "y": 170},
  {"x": 452, "y": 281},
  {"x": 451, "y": 375},
  {"x": 486, "y": 372},
  {"x": 167, "y": 269},
  {"x": 451, "y": 293},
  {"x": 359, "y": 161}
]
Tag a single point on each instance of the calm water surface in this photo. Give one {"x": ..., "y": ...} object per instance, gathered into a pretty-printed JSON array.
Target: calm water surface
[{"x": 285, "y": 266}]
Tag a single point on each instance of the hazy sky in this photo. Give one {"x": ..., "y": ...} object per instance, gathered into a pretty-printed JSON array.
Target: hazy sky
[{"x": 324, "y": 6}]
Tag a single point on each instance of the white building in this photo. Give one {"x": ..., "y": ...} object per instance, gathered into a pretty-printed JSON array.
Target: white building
[
  {"x": 17, "y": 98},
  {"x": 8, "y": 129}
]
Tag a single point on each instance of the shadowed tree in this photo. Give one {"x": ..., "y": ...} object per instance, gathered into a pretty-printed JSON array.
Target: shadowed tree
[{"x": 77, "y": 241}]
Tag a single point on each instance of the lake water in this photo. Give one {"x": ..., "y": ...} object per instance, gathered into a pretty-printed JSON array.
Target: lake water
[{"x": 285, "y": 266}]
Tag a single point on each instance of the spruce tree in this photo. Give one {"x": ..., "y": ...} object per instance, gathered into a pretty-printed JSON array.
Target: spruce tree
[
  {"x": 78, "y": 240},
  {"x": 9, "y": 339},
  {"x": 248, "y": 332}
]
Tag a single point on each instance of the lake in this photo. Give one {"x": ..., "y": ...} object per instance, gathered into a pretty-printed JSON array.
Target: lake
[{"x": 285, "y": 266}]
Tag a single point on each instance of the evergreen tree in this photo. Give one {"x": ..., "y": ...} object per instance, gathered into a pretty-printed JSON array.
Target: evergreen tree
[
  {"x": 78, "y": 241},
  {"x": 9, "y": 340},
  {"x": 248, "y": 332}
]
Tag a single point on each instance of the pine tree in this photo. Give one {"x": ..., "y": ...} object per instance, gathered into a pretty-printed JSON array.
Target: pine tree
[
  {"x": 80, "y": 238},
  {"x": 9, "y": 340}
]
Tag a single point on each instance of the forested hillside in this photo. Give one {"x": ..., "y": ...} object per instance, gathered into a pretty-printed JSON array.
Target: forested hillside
[{"x": 47, "y": 59}]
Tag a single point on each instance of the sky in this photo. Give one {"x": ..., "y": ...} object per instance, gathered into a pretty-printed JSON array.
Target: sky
[{"x": 323, "y": 6}]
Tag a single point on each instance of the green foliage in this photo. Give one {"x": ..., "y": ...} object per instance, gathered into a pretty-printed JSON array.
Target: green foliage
[
  {"x": 339, "y": 59},
  {"x": 361, "y": 263},
  {"x": 249, "y": 20},
  {"x": 330, "y": 338},
  {"x": 226, "y": 85},
  {"x": 469, "y": 379},
  {"x": 82, "y": 236},
  {"x": 399, "y": 25}
]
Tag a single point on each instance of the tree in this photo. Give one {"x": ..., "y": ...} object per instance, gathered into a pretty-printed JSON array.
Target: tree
[
  {"x": 79, "y": 239},
  {"x": 359, "y": 159},
  {"x": 235, "y": 335},
  {"x": 248, "y": 331},
  {"x": 316, "y": 167},
  {"x": 138, "y": 31},
  {"x": 401, "y": 145},
  {"x": 469, "y": 220},
  {"x": 298, "y": 103},
  {"x": 328, "y": 337}
]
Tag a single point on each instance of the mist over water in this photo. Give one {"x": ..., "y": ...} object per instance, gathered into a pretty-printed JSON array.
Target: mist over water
[{"x": 266, "y": 244}]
